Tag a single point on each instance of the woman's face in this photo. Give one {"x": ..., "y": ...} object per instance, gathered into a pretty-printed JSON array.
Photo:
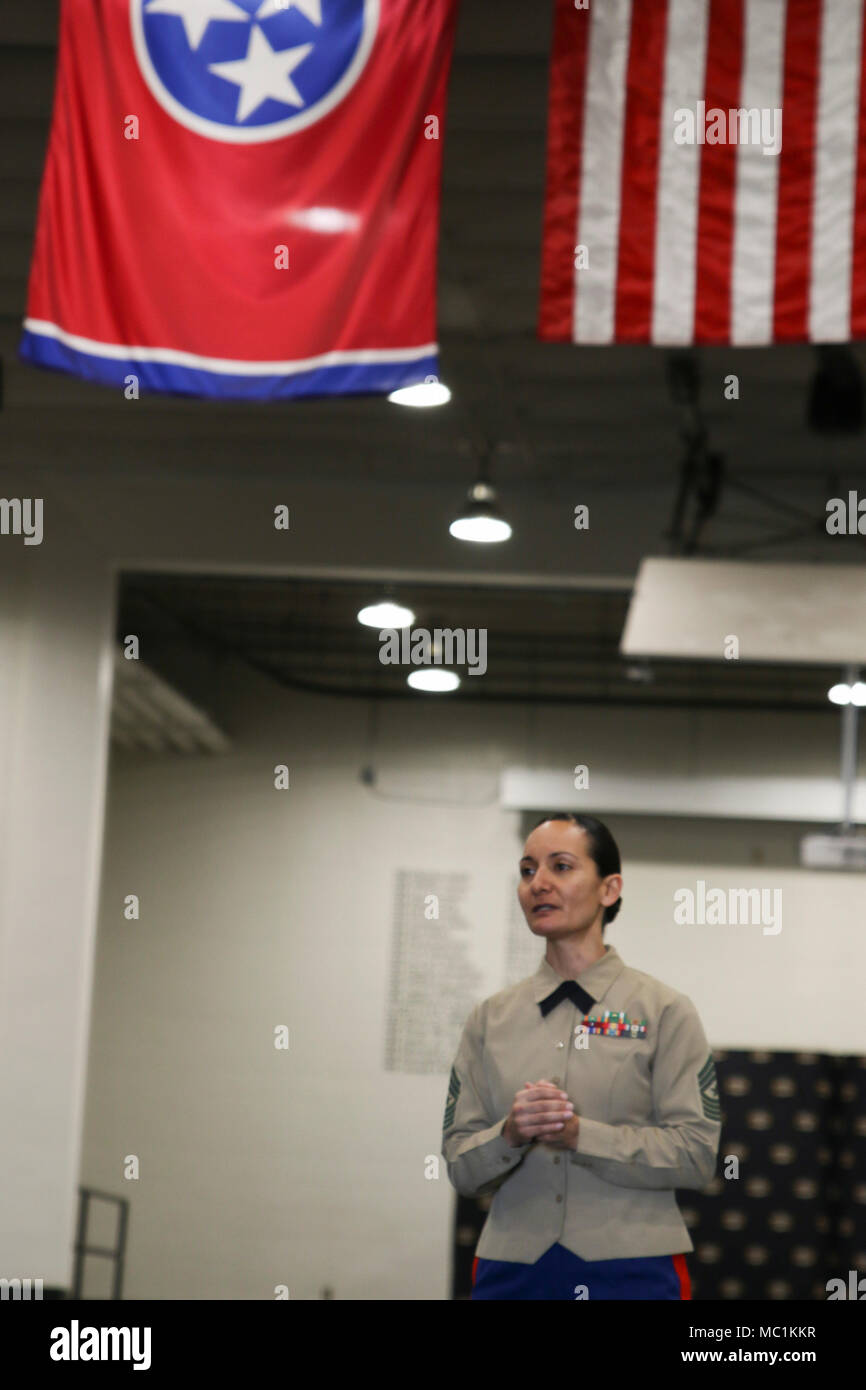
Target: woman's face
[{"x": 560, "y": 890}]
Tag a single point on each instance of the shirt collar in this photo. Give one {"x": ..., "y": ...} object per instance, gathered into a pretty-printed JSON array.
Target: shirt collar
[{"x": 596, "y": 979}]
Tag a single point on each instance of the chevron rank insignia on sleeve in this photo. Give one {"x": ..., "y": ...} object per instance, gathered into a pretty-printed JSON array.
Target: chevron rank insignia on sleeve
[
  {"x": 709, "y": 1088},
  {"x": 451, "y": 1105}
]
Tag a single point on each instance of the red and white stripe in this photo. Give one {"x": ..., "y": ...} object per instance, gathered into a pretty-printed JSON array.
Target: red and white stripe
[{"x": 705, "y": 243}]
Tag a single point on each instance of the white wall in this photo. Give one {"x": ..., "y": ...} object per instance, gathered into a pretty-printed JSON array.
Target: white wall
[
  {"x": 306, "y": 1167},
  {"x": 56, "y": 611}
]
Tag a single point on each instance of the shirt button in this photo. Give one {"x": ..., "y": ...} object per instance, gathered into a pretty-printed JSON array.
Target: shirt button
[
  {"x": 556, "y": 1160},
  {"x": 504, "y": 1159},
  {"x": 560, "y": 1044},
  {"x": 559, "y": 1197}
]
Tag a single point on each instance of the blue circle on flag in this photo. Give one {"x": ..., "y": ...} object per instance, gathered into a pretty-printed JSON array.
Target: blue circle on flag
[{"x": 247, "y": 70}]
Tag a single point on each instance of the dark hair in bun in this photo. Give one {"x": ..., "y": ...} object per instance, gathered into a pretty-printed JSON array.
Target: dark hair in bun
[{"x": 603, "y": 850}]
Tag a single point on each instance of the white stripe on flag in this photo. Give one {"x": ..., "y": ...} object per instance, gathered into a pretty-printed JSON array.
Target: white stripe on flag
[
  {"x": 600, "y": 172},
  {"x": 754, "y": 251},
  {"x": 835, "y": 171},
  {"x": 123, "y": 352},
  {"x": 679, "y": 175}
]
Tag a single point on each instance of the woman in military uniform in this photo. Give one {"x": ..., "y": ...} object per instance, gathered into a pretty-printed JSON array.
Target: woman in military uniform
[{"x": 581, "y": 1097}]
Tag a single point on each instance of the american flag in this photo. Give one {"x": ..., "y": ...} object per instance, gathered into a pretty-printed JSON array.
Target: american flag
[{"x": 706, "y": 172}]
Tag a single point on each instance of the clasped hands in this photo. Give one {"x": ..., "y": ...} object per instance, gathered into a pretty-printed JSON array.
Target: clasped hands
[{"x": 541, "y": 1111}]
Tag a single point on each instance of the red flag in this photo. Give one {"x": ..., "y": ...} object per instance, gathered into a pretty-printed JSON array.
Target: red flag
[
  {"x": 706, "y": 178},
  {"x": 241, "y": 197}
]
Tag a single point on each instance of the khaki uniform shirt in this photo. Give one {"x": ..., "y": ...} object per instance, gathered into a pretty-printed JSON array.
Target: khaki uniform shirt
[{"x": 648, "y": 1109}]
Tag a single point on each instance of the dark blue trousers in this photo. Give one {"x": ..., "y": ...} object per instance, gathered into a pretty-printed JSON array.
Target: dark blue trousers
[{"x": 561, "y": 1275}]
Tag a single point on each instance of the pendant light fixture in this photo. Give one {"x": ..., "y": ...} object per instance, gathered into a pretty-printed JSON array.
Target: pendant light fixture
[
  {"x": 481, "y": 519},
  {"x": 386, "y": 614}
]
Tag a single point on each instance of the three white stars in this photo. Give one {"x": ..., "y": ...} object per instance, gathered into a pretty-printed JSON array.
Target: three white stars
[{"x": 265, "y": 72}]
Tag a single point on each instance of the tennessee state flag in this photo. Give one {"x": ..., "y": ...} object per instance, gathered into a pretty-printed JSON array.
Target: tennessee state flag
[{"x": 241, "y": 197}]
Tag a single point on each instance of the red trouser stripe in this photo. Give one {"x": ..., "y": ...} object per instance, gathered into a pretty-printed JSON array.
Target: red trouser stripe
[{"x": 682, "y": 1270}]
